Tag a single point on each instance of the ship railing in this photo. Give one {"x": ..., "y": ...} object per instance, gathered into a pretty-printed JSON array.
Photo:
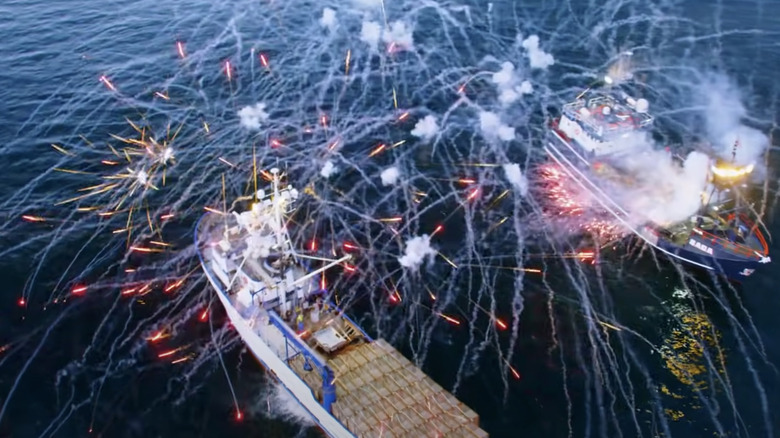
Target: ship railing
[
  {"x": 324, "y": 293},
  {"x": 638, "y": 119},
  {"x": 726, "y": 243},
  {"x": 343, "y": 314},
  {"x": 754, "y": 229},
  {"x": 310, "y": 357}
]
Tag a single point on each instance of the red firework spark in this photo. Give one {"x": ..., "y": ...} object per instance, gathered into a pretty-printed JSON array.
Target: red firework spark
[{"x": 575, "y": 205}]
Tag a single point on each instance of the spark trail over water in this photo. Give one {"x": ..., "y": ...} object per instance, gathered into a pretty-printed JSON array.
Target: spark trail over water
[{"x": 419, "y": 148}]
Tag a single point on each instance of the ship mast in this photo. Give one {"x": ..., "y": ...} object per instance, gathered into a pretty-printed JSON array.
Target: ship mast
[
  {"x": 733, "y": 160},
  {"x": 277, "y": 213}
]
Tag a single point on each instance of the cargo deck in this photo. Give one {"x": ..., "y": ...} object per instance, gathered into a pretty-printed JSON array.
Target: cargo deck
[{"x": 380, "y": 393}]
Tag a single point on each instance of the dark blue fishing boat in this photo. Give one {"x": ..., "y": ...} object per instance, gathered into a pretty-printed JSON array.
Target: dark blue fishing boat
[{"x": 599, "y": 128}]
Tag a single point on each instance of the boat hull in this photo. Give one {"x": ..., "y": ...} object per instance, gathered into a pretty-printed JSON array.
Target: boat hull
[
  {"x": 279, "y": 369},
  {"x": 293, "y": 384},
  {"x": 574, "y": 161},
  {"x": 731, "y": 268}
]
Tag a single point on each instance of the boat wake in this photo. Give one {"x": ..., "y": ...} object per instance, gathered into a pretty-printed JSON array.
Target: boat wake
[{"x": 274, "y": 401}]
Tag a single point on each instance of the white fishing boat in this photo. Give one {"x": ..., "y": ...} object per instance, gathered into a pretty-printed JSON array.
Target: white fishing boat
[{"x": 351, "y": 385}]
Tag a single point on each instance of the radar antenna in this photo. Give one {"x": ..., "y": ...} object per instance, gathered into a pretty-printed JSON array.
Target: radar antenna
[{"x": 734, "y": 151}]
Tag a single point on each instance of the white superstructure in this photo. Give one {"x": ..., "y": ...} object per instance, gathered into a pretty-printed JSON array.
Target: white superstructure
[
  {"x": 604, "y": 124},
  {"x": 265, "y": 290}
]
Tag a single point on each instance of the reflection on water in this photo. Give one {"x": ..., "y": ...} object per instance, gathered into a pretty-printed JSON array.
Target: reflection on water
[{"x": 688, "y": 347}]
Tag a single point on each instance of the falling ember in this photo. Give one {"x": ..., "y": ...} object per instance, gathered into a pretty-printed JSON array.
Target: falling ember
[
  {"x": 29, "y": 218},
  {"x": 228, "y": 70},
  {"x": 403, "y": 116},
  {"x": 467, "y": 181},
  {"x": 349, "y": 246},
  {"x": 61, "y": 150},
  {"x": 323, "y": 285},
  {"x": 129, "y": 291},
  {"x": 78, "y": 290},
  {"x": 107, "y": 83},
  {"x": 212, "y": 210},
  {"x": 313, "y": 245},
  {"x": 204, "y": 316},
  {"x": 398, "y": 143},
  {"x": 395, "y": 297},
  {"x": 346, "y": 62},
  {"x": 161, "y": 95},
  {"x": 392, "y": 219},
  {"x": 333, "y": 145},
  {"x": 472, "y": 195},
  {"x": 165, "y": 217},
  {"x": 462, "y": 89},
  {"x": 497, "y": 224},
  {"x": 438, "y": 229},
  {"x": 180, "y": 360},
  {"x": 173, "y": 286},
  {"x": 267, "y": 175},
  {"x": 264, "y": 60},
  {"x": 349, "y": 268},
  {"x": 21, "y": 302},
  {"x": 157, "y": 336},
  {"x": 501, "y": 324},
  {"x": 239, "y": 415},
  {"x": 498, "y": 199},
  {"x": 168, "y": 353},
  {"x": 377, "y": 150},
  {"x": 585, "y": 255},
  {"x": 143, "y": 249},
  {"x": 610, "y": 326},
  {"x": 226, "y": 162},
  {"x": 514, "y": 372},
  {"x": 450, "y": 262},
  {"x": 449, "y": 319},
  {"x": 145, "y": 289},
  {"x": 324, "y": 121},
  {"x": 276, "y": 143},
  {"x": 180, "y": 49}
]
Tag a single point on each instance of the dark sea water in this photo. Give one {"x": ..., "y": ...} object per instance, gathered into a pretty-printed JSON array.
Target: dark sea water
[{"x": 76, "y": 364}]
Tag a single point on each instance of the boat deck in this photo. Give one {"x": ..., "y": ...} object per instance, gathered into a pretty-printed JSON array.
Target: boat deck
[{"x": 380, "y": 393}]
